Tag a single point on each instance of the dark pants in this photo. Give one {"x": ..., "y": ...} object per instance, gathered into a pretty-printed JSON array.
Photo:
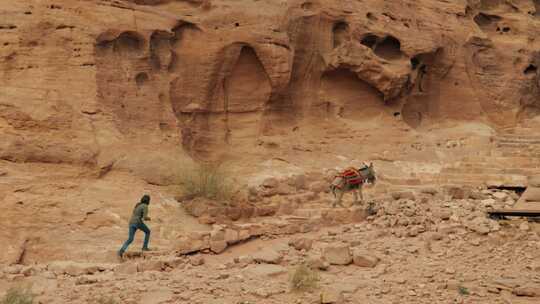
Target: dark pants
[{"x": 132, "y": 229}]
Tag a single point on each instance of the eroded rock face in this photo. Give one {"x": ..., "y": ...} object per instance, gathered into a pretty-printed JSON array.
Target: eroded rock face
[{"x": 100, "y": 84}]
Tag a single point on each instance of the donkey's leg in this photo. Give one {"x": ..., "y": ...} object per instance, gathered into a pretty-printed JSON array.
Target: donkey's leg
[
  {"x": 355, "y": 192},
  {"x": 361, "y": 194},
  {"x": 339, "y": 196}
]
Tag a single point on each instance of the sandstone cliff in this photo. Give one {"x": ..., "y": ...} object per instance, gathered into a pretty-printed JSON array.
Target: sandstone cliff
[{"x": 141, "y": 85}]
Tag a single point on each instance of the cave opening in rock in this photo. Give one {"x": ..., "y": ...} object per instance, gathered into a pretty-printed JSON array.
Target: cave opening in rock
[
  {"x": 389, "y": 48},
  {"x": 160, "y": 49},
  {"x": 531, "y": 69},
  {"x": 307, "y": 5},
  {"x": 340, "y": 32},
  {"x": 344, "y": 94},
  {"x": 486, "y": 22},
  {"x": 129, "y": 43},
  {"x": 415, "y": 62},
  {"x": 369, "y": 40}
]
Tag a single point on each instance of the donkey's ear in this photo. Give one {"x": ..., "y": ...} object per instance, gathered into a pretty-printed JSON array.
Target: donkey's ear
[{"x": 371, "y": 164}]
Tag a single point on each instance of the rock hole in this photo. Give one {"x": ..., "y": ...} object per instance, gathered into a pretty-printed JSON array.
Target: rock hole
[
  {"x": 307, "y": 5},
  {"x": 341, "y": 32},
  {"x": 531, "y": 69},
  {"x": 129, "y": 43},
  {"x": 141, "y": 78},
  {"x": 506, "y": 29},
  {"x": 369, "y": 40},
  {"x": 415, "y": 62},
  {"x": 389, "y": 48},
  {"x": 517, "y": 189},
  {"x": 371, "y": 16},
  {"x": 485, "y": 21},
  {"x": 396, "y": 114},
  {"x": 237, "y": 24},
  {"x": 160, "y": 49},
  {"x": 28, "y": 13}
]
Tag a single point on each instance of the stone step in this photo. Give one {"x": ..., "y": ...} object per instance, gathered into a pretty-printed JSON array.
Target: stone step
[
  {"x": 488, "y": 171},
  {"x": 513, "y": 140},
  {"x": 501, "y": 160},
  {"x": 487, "y": 179}
]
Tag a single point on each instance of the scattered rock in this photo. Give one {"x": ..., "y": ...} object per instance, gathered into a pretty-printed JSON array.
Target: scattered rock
[
  {"x": 500, "y": 196},
  {"x": 403, "y": 195},
  {"x": 85, "y": 280},
  {"x": 151, "y": 266},
  {"x": 268, "y": 256},
  {"x": 317, "y": 262},
  {"x": 126, "y": 268},
  {"x": 459, "y": 192},
  {"x": 301, "y": 243},
  {"x": 331, "y": 296},
  {"x": 218, "y": 246},
  {"x": 524, "y": 226},
  {"x": 266, "y": 270},
  {"x": 527, "y": 291},
  {"x": 362, "y": 258},
  {"x": 337, "y": 254},
  {"x": 197, "y": 260}
]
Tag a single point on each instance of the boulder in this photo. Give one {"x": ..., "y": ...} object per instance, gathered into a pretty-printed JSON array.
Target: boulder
[
  {"x": 459, "y": 192},
  {"x": 197, "y": 260},
  {"x": 231, "y": 236},
  {"x": 500, "y": 196},
  {"x": 337, "y": 254},
  {"x": 301, "y": 243},
  {"x": 362, "y": 258},
  {"x": 527, "y": 291},
  {"x": 268, "y": 256},
  {"x": 317, "y": 262},
  {"x": 218, "y": 246},
  {"x": 403, "y": 195},
  {"x": 266, "y": 270},
  {"x": 331, "y": 296}
]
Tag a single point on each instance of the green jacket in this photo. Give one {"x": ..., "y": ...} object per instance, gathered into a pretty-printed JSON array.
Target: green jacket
[{"x": 140, "y": 213}]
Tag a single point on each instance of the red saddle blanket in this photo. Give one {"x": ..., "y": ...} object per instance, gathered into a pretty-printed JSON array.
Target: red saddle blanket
[{"x": 352, "y": 176}]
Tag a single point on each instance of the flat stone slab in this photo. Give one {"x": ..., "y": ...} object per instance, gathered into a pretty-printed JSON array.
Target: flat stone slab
[{"x": 266, "y": 270}]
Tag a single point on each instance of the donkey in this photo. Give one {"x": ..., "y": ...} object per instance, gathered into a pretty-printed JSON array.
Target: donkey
[{"x": 347, "y": 181}]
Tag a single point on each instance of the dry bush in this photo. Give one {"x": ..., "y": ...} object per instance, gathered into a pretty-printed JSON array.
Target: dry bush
[
  {"x": 304, "y": 278},
  {"x": 211, "y": 181},
  {"x": 18, "y": 296}
]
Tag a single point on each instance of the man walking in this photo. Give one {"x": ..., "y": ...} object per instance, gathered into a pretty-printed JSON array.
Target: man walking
[{"x": 140, "y": 214}]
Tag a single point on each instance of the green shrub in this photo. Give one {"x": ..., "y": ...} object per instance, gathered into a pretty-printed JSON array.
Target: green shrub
[
  {"x": 18, "y": 296},
  {"x": 463, "y": 291},
  {"x": 304, "y": 278},
  {"x": 209, "y": 180}
]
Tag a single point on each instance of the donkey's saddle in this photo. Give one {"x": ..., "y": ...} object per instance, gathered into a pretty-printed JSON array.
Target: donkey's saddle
[{"x": 352, "y": 176}]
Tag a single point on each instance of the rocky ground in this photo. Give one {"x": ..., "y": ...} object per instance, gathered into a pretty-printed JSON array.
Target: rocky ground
[{"x": 427, "y": 248}]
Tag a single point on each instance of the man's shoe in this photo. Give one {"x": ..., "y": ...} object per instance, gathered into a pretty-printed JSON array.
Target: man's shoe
[
  {"x": 120, "y": 255},
  {"x": 146, "y": 249}
]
